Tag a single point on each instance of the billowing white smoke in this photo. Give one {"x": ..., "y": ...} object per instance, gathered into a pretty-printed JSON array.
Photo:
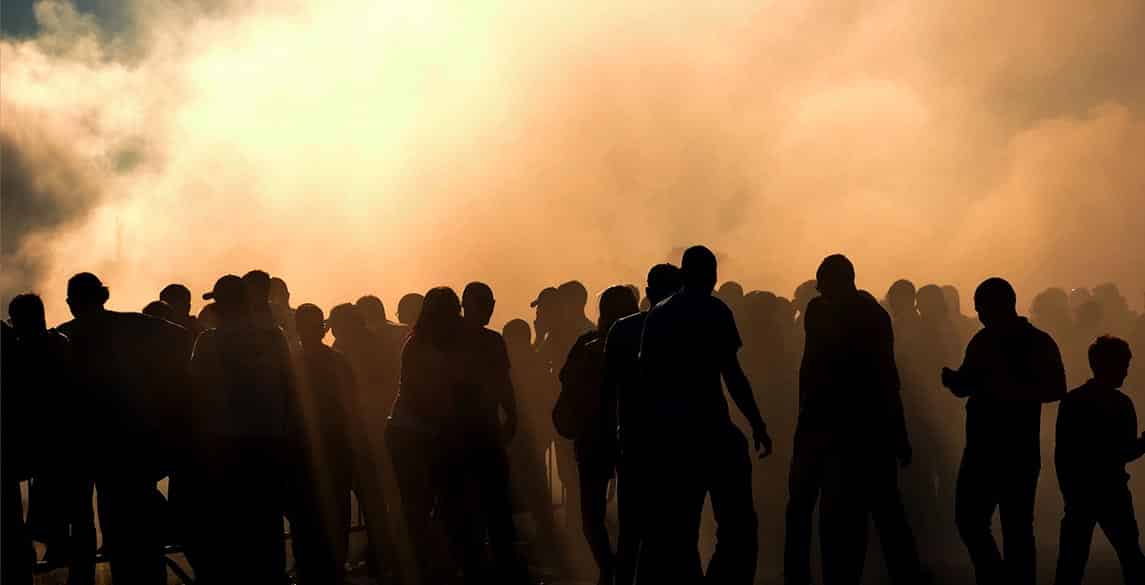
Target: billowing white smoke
[{"x": 361, "y": 146}]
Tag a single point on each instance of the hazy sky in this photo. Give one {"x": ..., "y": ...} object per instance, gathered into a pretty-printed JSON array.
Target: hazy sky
[{"x": 358, "y": 146}]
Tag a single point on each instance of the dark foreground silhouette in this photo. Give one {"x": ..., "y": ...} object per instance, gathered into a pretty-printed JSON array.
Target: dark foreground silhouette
[{"x": 435, "y": 450}]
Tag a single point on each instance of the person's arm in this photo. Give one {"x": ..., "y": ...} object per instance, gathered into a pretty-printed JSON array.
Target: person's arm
[
  {"x": 1135, "y": 443},
  {"x": 811, "y": 366},
  {"x": 739, "y": 388},
  {"x": 503, "y": 389},
  {"x": 965, "y": 381}
]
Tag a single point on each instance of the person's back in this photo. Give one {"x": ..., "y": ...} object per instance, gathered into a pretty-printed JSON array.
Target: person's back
[
  {"x": 684, "y": 341},
  {"x": 1014, "y": 369},
  {"x": 1096, "y": 438}
]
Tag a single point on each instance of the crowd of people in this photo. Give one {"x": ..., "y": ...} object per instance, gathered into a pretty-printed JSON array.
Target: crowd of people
[{"x": 451, "y": 436}]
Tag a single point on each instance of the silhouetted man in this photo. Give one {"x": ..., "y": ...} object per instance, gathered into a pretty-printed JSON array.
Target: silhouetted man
[
  {"x": 244, "y": 388},
  {"x": 527, "y": 449},
  {"x": 487, "y": 422},
  {"x": 586, "y": 413},
  {"x": 44, "y": 425},
  {"x": 409, "y": 308},
  {"x": 278, "y": 297},
  {"x": 133, "y": 369},
  {"x": 635, "y": 443},
  {"x": 690, "y": 342},
  {"x": 1096, "y": 437},
  {"x": 848, "y": 388},
  {"x": 322, "y": 422},
  {"x": 1011, "y": 368},
  {"x": 178, "y": 297}
]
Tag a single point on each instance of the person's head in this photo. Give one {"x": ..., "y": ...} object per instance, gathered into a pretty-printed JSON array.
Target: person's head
[
  {"x": 278, "y": 293},
  {"x": 698, "y": 269},
  {"x": 372, "y": 310},
  {"x": 1090, "y": 315},
  {"x": 901, "y": 297},
  {"x": 477, "y": 302},
  {"x": 835, "y": 277},
  {"x": 517, "y": 334},
  {"x": 548, "y": 306},
  {"x": 1078, "y": 297},
  {"x": 1109, "y": 359},
  {"x": 931, "y": 302},
  {"x": 664, "y": 280},
  {"x": 345, "y": 321},
  {"x": 730, "y": 292},
  {"x": 995, "y": 302},
  {"x": 574, "y": 297},
  {"x": 409, "y": 308},
  {"x": 230, "y": 298},
  {"x": 803, "y": 294},
  {"x": 26, "y": 313},
  {"x": 178, "y": 297},
  {"x": 616, "y": 302},
  {"x": 86, "y": 294},
  {"x": 1050, "y": 306},
  {"x": 310, "y": 323},
  {"x": 159, "y": 309},
  {"x": 953, "y": 299},
  {"x": 257, "y": 284},
  {"x": 440, "y": 317},
  {"x": 208, "y": 317}
]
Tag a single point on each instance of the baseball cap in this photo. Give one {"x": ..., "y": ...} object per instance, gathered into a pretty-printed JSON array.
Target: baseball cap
[
  {"x": 547, "y": 295},
  {"x": 228, "y": 288}
]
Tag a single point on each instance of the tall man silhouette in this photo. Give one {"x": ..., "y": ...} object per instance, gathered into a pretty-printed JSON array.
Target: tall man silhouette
[
  {"x": 1011, "y": 368},
  {"x": 690, "y": 344},
  {"x": 848, "y": 388}
]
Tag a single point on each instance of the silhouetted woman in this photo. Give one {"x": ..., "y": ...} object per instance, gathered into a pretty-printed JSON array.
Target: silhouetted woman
[{"x": 420, "y": 418}]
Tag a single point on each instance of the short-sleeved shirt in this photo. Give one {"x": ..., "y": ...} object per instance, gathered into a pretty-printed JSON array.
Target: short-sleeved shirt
[
  {"x": 1096, "y": 436},
  {"x": 687, "y": 340}
]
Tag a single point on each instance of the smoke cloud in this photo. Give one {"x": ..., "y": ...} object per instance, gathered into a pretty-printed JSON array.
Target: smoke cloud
[{"x": 360, "y": 146}]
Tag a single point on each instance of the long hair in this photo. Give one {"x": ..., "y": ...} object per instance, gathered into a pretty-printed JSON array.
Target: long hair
[{"x": 440, "y": 318}]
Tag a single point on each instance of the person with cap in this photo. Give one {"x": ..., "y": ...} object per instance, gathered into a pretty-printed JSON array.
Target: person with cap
[
  {"x": 244, "y": 387},
  {"x": 586, "y": 413},
  {"x": 689, "y": 346},
  {"x": 1010, "y": 370},
  {"x": 634, "y": 446},
  {"x": 133, "y": 368}
]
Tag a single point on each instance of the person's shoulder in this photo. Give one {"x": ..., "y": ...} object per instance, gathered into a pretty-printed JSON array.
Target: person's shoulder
[
  {"x": 628, "y": 325},
  {"x": 586, "y": 338}
]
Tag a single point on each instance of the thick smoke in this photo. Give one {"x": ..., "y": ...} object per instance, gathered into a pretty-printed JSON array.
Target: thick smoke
[{"x": 356, "y": 145}]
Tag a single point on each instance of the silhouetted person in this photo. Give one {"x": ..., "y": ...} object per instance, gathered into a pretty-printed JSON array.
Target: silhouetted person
[
  {"x": 1096, "y": 437},
  {"x": 373, "y": 311},
  {"x": 244, "y": 389},
  {"x": 257, "y": 284},
  {"x": 278, "y": 297},
  {"x": 133, "y": 369},
  {"x": 486, "y": 420},
  {"x": 527, "y": 449},
  {"x": 432, "y": 376},
  {"x": 160, "y": 310},
  {"x": 635, "y": 444},
  {"x": 965, "y": 326},
  {"x": 17, "y": 554},
  {"x": 848, "y": 388},
  {"x": 322, "y": 423},
  {"x": 44, "y": 426},
  {"x": 690, "y": 343},
  {"x": 409, "y": 309},
  {"x": 179, "y": 298},
  {"x": 1010, "y": 369},
  {"x": 586, "y": 413},
  {"x": 371, "y": 357}
]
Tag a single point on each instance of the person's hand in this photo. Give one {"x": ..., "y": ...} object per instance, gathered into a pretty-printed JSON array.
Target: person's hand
[
  {"x": 762, "y": 441},
  {"x": 948, "y": 377}
]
